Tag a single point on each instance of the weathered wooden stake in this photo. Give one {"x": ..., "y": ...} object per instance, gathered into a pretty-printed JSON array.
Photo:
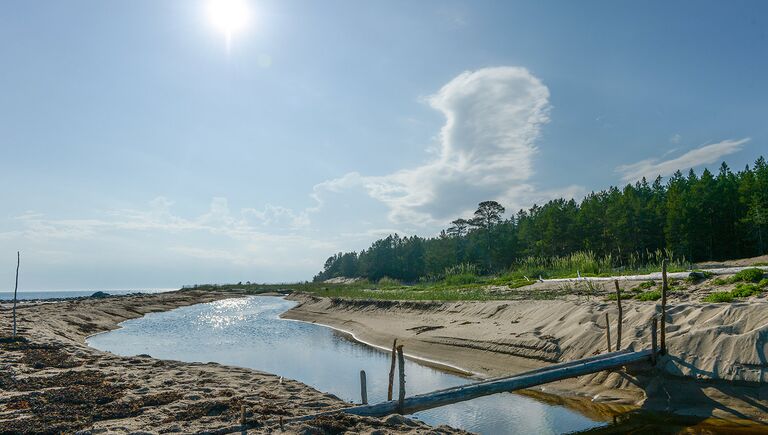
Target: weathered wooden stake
[
  {"x": 608, "y": 332},
  {"x": 392, "y": 370},
  {"x": 621, "y": 314},
  {"x": 15, "y": 290},
  {"x": 363, "y": 388},
  {"x": 654, "y": 347},
  {"x": 243, "y": 422},
  {"x": 401, "y": 364},
  {"x": 663, "y": 347}
]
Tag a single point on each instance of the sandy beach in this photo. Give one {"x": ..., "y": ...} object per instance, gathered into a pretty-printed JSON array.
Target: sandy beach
[
  {"x": 52, "y": 382},
  {"x": 716, "y": 366}
]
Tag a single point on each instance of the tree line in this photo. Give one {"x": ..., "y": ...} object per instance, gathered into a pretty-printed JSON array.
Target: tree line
[{"x": 706, "y": 217}]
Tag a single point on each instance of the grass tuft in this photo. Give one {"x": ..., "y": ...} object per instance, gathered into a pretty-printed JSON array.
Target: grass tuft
[
  {"x": 719, "y": 297},
  {"x": 653, "y": 295}
]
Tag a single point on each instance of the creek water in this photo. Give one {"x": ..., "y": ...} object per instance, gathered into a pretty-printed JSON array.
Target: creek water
[{"x": 248, "y": 332}]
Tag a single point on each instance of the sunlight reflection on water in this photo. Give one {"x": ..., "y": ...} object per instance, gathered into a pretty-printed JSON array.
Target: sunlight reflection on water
[{"x": 248, "y": 332}]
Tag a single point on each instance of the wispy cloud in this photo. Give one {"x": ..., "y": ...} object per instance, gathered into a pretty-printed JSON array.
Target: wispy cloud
[
  {"x": 247, "y": 237},
  {"x": 486, "y": 147},
  {"x": 704, "y": 155}
]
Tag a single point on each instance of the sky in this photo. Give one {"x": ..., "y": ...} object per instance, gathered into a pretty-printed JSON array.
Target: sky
[{"x": 154, "y": 144}]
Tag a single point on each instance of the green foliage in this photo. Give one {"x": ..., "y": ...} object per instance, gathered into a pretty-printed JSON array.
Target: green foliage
[
  {"x": 462, "y": 269},
  {"x": 763, "y": 283},
  {"x": 612, "y": 296},
  {"x": 745, "y": 290},
  {"x": 464, "y": 278},
  {"x": 748, "y": 275},
  {"x": 719, "y": 297},
  {"x": 647, "y": 284},
  {"x": 652, "y": 295},
  {"x": 627, "y": 229},
  {"x": 742, "y": 290},
  {"x": 389, "y": 282},
  {"x": 720, "y": 281}
]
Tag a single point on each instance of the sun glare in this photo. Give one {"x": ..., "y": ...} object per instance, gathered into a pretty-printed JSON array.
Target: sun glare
[{"x": 228, "y": 16}]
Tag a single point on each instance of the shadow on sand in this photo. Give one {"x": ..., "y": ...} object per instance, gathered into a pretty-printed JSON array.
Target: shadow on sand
[{"x": 677, "y": 404}]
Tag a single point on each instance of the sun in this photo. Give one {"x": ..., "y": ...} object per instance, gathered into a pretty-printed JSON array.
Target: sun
[{"x": 229, "y": 17}]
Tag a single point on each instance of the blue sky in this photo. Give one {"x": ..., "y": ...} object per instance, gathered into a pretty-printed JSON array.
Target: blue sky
[{"x": 140, "y": 149}]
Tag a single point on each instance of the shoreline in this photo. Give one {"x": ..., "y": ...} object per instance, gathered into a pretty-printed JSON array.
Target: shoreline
[
  {"x": 440, "y": 365},
  {"x": 440, "y": 331},
  {"x": 53, "y": 381}
]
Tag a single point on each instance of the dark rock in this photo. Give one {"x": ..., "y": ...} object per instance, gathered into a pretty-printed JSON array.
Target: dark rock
[{"x": 100, "y": 295}]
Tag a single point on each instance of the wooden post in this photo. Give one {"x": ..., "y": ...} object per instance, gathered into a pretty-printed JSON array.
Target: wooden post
[
  {"x": 15, "y": 290},
  {"x": 401, "y": 364},
  {"x": 608, "y": 332},
  {"x": 392, "y": 370},
  {"x": 243, "y": 429},
  {"x": 663, "y": 347},
  {"x": 621, "y": 314},
  {"x": 654, "y": 347},
  {"x": 363, "y": 388}
]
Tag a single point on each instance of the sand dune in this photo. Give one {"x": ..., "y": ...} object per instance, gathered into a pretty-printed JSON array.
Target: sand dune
[{"x": 716, "y": 363}]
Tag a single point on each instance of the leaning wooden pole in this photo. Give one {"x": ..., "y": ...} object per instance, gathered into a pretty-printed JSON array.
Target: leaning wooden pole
[
  {"x": 608, "y": 332},
  {"x": 401, "y": 392},
  {"x": 15, "y": 291},
  {"x": 621, "y": 314},
  {"x": 462, "y": 393},
  {"x": 663, "y": 341},
  {"x": 392, "y": 370}
]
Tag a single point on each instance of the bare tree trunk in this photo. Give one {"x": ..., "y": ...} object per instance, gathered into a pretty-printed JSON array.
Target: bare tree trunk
[{"x": 15, "y": 290}]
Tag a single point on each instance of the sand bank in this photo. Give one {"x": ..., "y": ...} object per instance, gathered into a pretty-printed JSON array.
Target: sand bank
[
  {"x": 54, "y": 382},
  {"x": 717, "y": 352}
]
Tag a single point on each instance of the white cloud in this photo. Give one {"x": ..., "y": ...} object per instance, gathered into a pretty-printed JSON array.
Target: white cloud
[
  {"x": 493, "y": 118},
  {"x": 250, "y": 236},
  {"x": 704, "y": 155}
]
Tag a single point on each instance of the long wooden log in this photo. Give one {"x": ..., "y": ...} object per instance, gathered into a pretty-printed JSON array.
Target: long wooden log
[{"x": 467, "y": 392}]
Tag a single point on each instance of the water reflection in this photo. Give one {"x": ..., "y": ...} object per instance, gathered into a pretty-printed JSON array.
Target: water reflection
[{"x": 249, "y": 333}]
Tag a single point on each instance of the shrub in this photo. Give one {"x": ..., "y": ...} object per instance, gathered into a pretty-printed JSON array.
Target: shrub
[
  {"x": 612, "y": 296},
  {"x": 646, "y": 284},
  {"x": 462, "y": 279},
  {"x": 720, "y": 281},
  {"x": 748, "y": 275},
  {"x": 719, "y": 297},
  {"x": 763, "y": 283},
  {"x": 462, "y": 269},
  {"x": 745, "y": 291},
  {"x": 461, "y": 274},
  {"x": 649, "y": 296},
  {"x": 387, "y": 281}
]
